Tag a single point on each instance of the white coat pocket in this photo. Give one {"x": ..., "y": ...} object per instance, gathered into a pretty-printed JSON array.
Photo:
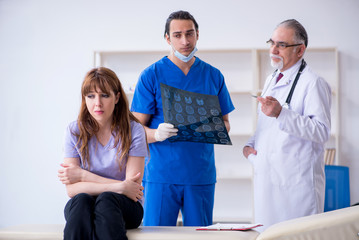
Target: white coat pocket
[{"x": 284, "y": 169}]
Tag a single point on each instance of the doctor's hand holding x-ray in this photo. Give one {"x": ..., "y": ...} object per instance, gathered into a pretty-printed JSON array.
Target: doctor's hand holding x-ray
[{"x": 180, "y": 175}]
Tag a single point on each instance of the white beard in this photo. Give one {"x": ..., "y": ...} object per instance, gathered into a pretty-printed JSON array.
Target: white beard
[{"x": 277, "y": 65}]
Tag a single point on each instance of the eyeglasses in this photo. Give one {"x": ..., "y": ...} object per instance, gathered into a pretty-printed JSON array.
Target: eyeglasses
[{"x": 281, "y": 45}]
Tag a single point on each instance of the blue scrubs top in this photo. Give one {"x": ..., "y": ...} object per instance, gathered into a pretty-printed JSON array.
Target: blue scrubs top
[{"x": 179, "y": 162}]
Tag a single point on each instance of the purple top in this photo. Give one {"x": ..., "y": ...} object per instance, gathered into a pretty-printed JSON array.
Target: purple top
[{"x": 103, "y": 159}]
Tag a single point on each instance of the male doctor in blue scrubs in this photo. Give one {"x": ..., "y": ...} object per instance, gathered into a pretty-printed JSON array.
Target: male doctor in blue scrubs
[
  {"x": 178, "y": 175},
  {"x": 287, "y": 149}
]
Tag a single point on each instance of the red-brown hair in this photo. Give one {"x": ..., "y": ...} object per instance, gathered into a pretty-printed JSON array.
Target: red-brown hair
[{"x": 105, "y": 80}]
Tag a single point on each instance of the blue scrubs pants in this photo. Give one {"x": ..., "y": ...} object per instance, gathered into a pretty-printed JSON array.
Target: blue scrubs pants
[{"x": 163, "y": 202}]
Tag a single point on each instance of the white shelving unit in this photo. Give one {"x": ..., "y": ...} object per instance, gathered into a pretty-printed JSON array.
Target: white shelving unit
[{"x": 245, "y": 71}]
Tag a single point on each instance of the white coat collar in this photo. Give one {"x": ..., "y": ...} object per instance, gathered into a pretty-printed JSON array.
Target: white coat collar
[{"x": 289, "y": 74}]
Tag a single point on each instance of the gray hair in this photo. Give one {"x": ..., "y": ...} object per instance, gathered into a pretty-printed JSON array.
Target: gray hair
[{"x": 301, "y": 35}]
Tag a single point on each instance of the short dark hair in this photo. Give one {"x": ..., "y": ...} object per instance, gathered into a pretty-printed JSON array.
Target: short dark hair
[
  {"x": 300, "y": 33},
  {"x": 179, "y": 15}
]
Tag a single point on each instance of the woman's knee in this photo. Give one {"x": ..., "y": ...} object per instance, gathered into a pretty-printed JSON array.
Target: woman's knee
[
  {"x": 105, "y": 196},
  {"x": 80, "y": 201},
  {"x": 80, "y": 204},
  {"x": 110, "y": 200},
  {"x": 83, "y": 198}
]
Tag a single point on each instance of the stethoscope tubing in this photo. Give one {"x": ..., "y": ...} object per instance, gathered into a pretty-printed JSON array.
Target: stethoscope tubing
[{"x": 290, "y": 94}]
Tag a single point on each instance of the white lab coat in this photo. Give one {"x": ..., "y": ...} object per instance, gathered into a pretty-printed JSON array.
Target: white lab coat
[{"x": 289, "y": 179}]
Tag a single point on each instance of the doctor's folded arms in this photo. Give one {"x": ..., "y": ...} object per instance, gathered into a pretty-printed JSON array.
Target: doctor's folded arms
[{"x": 287, "y": 148}]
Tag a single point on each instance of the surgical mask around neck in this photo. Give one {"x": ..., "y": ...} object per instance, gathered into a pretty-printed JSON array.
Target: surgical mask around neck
[{"x": 183, "y": 58}]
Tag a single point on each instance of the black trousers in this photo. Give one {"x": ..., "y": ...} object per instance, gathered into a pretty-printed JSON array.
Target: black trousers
[{"x": 106, "y": 216}]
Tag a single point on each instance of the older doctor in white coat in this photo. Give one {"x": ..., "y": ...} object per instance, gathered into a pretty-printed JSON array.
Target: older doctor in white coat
[{"x": 287, "y": 149}]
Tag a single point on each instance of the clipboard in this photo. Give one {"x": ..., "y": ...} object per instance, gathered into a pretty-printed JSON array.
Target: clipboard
[{"x": 229, "y": 227}]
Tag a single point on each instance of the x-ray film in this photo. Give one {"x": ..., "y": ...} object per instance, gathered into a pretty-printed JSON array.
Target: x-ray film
[{"x": 198, "y": 117}]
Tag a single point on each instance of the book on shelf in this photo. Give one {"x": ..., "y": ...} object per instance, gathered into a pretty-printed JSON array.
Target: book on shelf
[{"x": 329, "y": 156}]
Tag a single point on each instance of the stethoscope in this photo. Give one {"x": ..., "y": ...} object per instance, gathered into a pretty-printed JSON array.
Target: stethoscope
[{"x": 289, "y": 98}]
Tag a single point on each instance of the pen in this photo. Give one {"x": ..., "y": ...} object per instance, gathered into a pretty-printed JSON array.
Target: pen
[{"x": 255, "y": 96}]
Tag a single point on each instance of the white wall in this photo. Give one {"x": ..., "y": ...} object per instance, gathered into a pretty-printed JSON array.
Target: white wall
[{"x": 46, "y": 47}]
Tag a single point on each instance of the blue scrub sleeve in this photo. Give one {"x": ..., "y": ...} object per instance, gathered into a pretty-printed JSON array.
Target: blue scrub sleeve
[
  {"x": 224, "y": 98},
  {"x": 144, "y": 96}
]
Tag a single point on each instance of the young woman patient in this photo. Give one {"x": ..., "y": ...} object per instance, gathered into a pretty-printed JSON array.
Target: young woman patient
[{"x": 104, "y": 153}]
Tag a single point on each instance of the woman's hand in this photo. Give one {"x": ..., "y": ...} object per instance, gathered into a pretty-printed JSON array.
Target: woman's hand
[
  {"x": 131, "y": 189},
  {"x": 70, "y": 173}
]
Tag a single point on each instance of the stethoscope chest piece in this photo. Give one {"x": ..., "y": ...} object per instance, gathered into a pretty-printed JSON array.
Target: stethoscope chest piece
[
  {"x": 286, "y": 105},
  {"x": 289, "y": 98}
]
